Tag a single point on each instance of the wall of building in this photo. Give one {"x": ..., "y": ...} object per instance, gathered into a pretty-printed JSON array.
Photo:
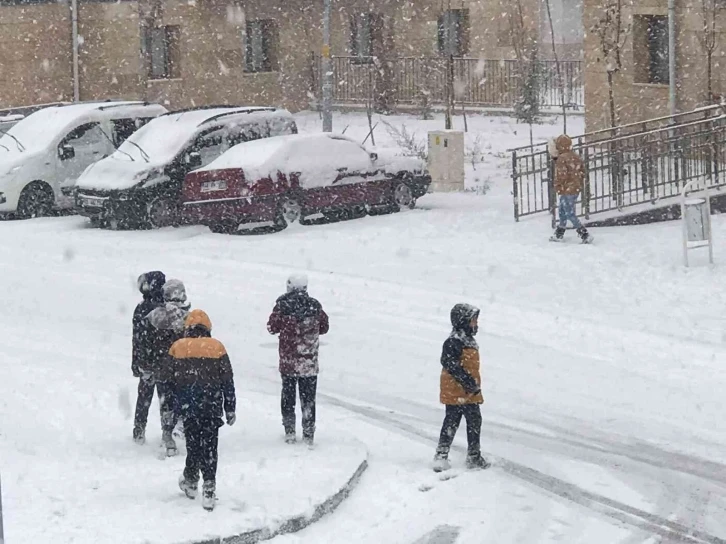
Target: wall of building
[
  {"x": 636, "y": 101},
  {"x": 36, "y": 63}
]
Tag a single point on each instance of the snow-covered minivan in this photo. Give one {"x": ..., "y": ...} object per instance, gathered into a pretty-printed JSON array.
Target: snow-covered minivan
[
  {"x": 140, "y": 185},
  {"x": 42, "y": 156}
]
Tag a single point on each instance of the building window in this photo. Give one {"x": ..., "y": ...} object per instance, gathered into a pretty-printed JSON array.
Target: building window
[
  {"x": 162, "y": 44},
  {"x": 651, "y": 49},
  {"x": 453, "y": 32},
  {"x": 361, "y": 35},
  {"x": 261, "y": 42}
]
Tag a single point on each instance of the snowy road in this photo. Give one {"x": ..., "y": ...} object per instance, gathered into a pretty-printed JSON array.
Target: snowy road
[
  {"x": 603, "y": 369},
  {"x": 605, "y": 426}
]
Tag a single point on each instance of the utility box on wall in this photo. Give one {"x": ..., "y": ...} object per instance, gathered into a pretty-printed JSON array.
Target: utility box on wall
[{"x": 446, "y": 160}]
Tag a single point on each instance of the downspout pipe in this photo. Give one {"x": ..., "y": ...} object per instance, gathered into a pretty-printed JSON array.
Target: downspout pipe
[
  {"x": 672, "y": 96},
  {"x": 74, "y": 32}
]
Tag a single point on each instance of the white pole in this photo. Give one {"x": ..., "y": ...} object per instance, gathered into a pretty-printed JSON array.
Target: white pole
[
  {"x": 2, "y": 533},
  {"x": 327, "y": 69},
  {"x": 76, "y": 75},
  {"x": 672, "y": 57},
  {"x": 684, "y": 226}
]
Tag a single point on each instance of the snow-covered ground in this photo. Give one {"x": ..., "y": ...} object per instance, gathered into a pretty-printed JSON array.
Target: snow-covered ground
[{"x": 602, "y": 365}]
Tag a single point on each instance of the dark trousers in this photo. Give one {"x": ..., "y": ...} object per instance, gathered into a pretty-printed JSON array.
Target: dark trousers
[
  {"x": 167, "y": 403},
  {"x": 308, "y": 388},
  {"x": 472, "y": 413},
  {"x": 202, "y": 437},
  {"x": 143, "y": 401}
]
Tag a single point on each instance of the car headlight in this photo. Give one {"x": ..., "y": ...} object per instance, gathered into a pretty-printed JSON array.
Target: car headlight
[
  {"x": 12, "y": 170},
  {"x": 151, "y": 173}
]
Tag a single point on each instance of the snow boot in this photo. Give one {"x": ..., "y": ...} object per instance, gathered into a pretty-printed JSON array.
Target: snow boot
[
  {"x": 441, "y": 462},
  {"x": 168, "y": 442},
  {"x": 309, "y": 441},
  {"x": 558, "y": 236},
  {"x": 290, "y": 438},
  {"x": 208, "y": 496},
  {"x": 140, "y": 435},
  {"x": 476, "y": 462},
  {"x": 178, "y": 431},
  {"x": 585, "y": 237},
  {"x": 189, "y": 488}
]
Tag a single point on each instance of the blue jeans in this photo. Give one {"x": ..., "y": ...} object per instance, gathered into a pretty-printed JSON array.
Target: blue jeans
[{"x": 567, "y": 211}]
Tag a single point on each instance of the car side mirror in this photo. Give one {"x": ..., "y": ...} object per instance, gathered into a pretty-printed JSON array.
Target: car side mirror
[
  {"x": 374, "y": 157},
  {"x": 66, "y": 152},
  {"x": 194, "y": 160}
]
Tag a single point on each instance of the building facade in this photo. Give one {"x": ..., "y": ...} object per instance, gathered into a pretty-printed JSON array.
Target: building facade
[
  {"x": 194, "y": 52},
  {"x": 641, "y": 85}
]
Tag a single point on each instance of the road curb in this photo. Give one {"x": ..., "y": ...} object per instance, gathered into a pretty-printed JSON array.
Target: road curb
[{"x": 295, "y": 523}]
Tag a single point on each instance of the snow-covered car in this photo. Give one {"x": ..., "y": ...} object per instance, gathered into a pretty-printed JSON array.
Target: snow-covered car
[
  {"x": 43, "y": 154},
  {"x": 139, "y": 186},
  {"x": 286, "y": 179},
  {"x": 7, "y": 121}
]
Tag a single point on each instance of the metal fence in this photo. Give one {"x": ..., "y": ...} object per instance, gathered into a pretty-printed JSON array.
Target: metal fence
[
  {"x": 477, "y": 82},
  {"x": 646, "y": 163}
]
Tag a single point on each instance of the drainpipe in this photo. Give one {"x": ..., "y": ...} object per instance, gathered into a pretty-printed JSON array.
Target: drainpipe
[
  {"x": 672, "y": 57},
  {"x": 74, "y": 26}
]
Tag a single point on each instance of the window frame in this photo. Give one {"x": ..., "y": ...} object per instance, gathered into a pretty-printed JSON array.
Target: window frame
[
  {"x": 651, "y": 57},
  {"x": 453, "y": 23},
  {"x": 361, "y": 22},
  {"x": 269, "y": 43},
  {"x": 170, "y": 51}
]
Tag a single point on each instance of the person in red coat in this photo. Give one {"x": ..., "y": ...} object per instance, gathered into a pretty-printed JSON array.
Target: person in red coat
[{"x": 299, "y": 319}]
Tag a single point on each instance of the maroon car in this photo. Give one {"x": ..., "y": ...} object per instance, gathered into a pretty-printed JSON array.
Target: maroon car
[{"x": 280, "y": 180}]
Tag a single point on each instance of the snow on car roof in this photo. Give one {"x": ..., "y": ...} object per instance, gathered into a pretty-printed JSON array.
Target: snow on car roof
[
  {"x": 38, "y": 129},
  {"x": 314, "y": 157},
  {"x": 162, "y": 138},
  {"x": 266, "y": 154}
]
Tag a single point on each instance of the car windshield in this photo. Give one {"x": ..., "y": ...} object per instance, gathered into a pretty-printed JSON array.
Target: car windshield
[
  {"x": 38, "y": 130},
  {"x": 160, "y": 140}
]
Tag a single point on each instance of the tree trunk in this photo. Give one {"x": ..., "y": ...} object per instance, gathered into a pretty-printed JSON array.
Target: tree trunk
[
  {"x": 611, "y": 99},
  {"x": 560, "y": 81},
  {"x": 709, "y": 76}
]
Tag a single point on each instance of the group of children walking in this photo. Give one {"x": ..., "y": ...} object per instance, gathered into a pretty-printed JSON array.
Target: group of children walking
[{"x": 174, "y": 353}]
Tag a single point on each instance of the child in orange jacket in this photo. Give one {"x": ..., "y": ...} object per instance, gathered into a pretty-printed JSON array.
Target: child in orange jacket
[{"x": 461, "y": 388}]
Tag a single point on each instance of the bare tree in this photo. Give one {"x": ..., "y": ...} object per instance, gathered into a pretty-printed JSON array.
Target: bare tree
[
  {"x": 613, "y": 34},
  {"x": 560, "y": 80},
  {"x": 708, "y": 42},
  {"x": 524, "y": 43}
]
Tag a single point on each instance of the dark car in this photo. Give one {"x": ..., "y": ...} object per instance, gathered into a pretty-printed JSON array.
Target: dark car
[
  {"x": 290, "y": 178},
  {"x": 140, "y": 185}
]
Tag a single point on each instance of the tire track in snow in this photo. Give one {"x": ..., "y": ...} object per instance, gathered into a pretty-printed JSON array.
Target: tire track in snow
[{"x": 651, "y": 523}]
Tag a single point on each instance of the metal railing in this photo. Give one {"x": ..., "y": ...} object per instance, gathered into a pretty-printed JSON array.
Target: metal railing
[
  {"x": 477, "y": 82},
  {"x": 635, "y": 167}
]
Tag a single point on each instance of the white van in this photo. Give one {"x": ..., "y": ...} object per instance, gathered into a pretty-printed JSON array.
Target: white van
[{"x": 42, "y": 156}]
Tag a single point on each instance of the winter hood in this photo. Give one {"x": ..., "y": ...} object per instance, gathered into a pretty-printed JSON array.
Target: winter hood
[
  {"x": 461, "y": 316},
  {"x": 298, "y": 282},
  {"x": 563, "y": 143},
  {"x": 174, "y": 291},
  {"x": 151, "y": 284},
  {"x": 198, "y": 318}
]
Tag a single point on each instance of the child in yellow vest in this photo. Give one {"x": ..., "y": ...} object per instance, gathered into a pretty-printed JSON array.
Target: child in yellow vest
[{"x": 461, "y": 388}]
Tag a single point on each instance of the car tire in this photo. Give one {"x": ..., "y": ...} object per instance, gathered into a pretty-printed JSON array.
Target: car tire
[
  {"x": 97, "y": 223},
  {"x": 403, "y": 197},
  {"x": 36, "y": 200},
  {"x": 223, "y": 228},
  {"x": 161, "y": 212},
  {"x": 288, "y": 212}
]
